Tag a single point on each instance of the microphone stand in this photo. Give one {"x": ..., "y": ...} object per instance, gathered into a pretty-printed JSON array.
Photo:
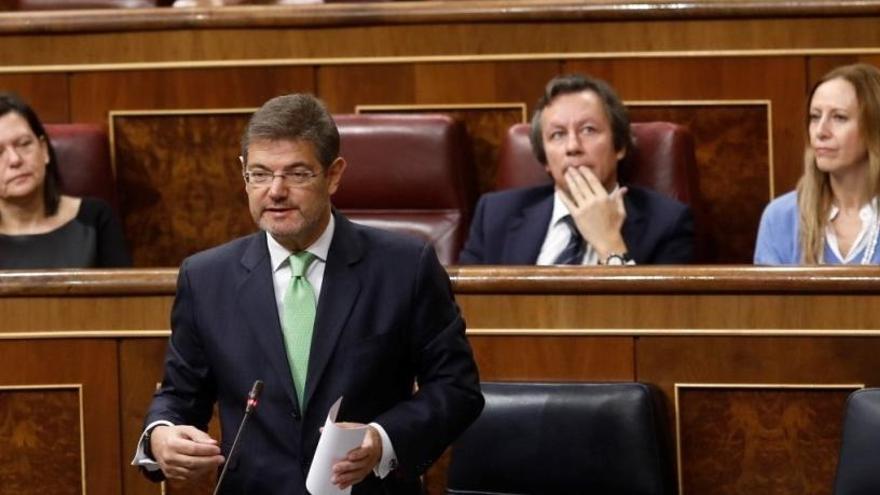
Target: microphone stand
[{"x": 252, "y": 401}]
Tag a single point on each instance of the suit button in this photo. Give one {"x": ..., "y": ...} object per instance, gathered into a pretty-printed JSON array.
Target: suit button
[{"x": 295, "y": 415}]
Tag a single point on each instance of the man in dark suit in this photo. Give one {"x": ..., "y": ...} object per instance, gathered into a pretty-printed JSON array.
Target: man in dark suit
[
  {"x": 318, "y": 308},
  {"x": 581, "y": 133}
]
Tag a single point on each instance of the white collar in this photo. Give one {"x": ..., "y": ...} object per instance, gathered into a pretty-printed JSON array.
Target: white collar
[
  {"x": 279, "y": 254},
  {"x": 866, "y": 212}
]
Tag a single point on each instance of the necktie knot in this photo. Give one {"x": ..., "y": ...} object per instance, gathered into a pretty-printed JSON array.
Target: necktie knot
[{"x": 299, "y": 263}]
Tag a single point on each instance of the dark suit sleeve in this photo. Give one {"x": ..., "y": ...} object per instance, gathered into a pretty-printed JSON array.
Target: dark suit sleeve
[
  {"x": 448, "y": 397},
  {"x": 473, "y": 252},
  {"x": 186, "y": 396},
  {"x": 677, "y": 245}
]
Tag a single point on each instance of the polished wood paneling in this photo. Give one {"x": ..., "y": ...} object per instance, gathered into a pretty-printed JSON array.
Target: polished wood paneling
[
  {"x": 94, "y": 94},
  {"x": 40, "y": 432},
  {"x": 644, "y": 312},
  {"x": 802, "y": 326},
  {"x": 47, "y": 94},
  {"x": 91, "y": 364},
  {"x": 140, "y": 368},
  {"x": 40, "y": 313},
  {"x": 554, "y": 358},
  {"x": 517, "y": 81},
  {"x": 733, "y": 158},
  {"x": 427, "y": 12},
  {"x": 666, "y": 361},
  {"x": 181, "y": 182},
  {"x": 306, "y": 36},
  {"x": 820, "y": 65},
  {"x": 773, "y": 441}
]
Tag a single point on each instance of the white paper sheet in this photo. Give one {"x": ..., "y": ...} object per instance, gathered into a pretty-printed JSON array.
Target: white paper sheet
[{"x": 334, "y": 444}]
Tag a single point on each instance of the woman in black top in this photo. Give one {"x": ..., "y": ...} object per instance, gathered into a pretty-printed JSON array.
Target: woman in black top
[{"x": 39, "y": 226}]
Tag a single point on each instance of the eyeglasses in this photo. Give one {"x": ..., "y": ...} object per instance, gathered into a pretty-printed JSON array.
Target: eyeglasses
[{"x": 293, "y": 177}]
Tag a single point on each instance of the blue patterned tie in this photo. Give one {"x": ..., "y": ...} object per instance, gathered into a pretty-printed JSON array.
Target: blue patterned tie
[
  {"x": 573, "y": 254},
  {"x": 299, "y": 321}
]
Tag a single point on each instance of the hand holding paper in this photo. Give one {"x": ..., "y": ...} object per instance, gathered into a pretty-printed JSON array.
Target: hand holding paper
[
  {"x": 346, "y": 453},
  {"x": 360, "y": 461}
]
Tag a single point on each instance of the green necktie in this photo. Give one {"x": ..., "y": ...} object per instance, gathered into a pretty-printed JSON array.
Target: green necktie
[{"x": 299, "y": 321}]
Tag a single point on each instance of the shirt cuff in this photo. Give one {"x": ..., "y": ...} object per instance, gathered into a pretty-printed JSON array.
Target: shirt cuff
[
  {"x": 140, "y": 456},
  {"x": 388, "y": 462}
]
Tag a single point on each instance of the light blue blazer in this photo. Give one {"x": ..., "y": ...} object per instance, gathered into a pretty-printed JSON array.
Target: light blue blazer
[{"x": 778, "y": 236}]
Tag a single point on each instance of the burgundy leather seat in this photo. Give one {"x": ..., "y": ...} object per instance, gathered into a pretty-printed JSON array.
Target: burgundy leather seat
[
  {"x": 408, "y": 173},
  {"x": 663, "y": 160},
  {"x": 83, "y": 154}
]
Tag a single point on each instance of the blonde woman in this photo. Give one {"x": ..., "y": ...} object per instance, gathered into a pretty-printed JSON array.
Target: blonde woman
[{"x": 832, "y": 216}]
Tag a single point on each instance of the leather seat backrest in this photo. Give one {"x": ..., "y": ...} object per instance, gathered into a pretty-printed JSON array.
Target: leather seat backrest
[
  {"x": 564, "y": 438},
  {"x": 408, "y": 173},
  {"x": 857, "y": 469},
  {"x": 83, "y": 154}
]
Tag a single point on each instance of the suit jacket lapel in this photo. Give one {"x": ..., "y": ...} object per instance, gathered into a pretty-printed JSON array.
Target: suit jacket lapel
[
  {"x": 255, "y": 296},
  {"x": 339, "y": 291},
  {"x": 526, "y": 233}
]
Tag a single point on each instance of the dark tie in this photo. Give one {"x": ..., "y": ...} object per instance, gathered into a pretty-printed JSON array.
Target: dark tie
[{"x": 573, "y": 254}]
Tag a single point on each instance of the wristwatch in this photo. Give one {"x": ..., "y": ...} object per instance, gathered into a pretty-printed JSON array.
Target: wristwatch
[{"x": 617, "y": 259}]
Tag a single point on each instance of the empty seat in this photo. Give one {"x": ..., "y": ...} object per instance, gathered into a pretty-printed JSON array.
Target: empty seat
[
  {"x": 564, "y": 438},
  {"x": 408, "y": 173}
]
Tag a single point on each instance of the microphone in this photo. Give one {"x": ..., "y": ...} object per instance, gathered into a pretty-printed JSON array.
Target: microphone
[{"x": 252, "y": 401}]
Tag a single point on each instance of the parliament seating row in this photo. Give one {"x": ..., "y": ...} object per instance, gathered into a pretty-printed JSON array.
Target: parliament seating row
[{"x": 411, "y": 173}]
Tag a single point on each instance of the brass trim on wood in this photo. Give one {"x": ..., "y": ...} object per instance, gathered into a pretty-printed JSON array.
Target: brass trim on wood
[
  {"x": 763, "y": 386},
  {"x": 670, "y": 332},
  {"x": 82, "y": 435},
  {"x": 85, "y": 334},
  {"x": 503, "y": 332},
  {"x": 420, "y": 13},
  {"x": 441, "y": 107},
  {"x": 427, "y": 59},
  {"x": 741, "y": 280},
  {"x": 112, "y": 114}
]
